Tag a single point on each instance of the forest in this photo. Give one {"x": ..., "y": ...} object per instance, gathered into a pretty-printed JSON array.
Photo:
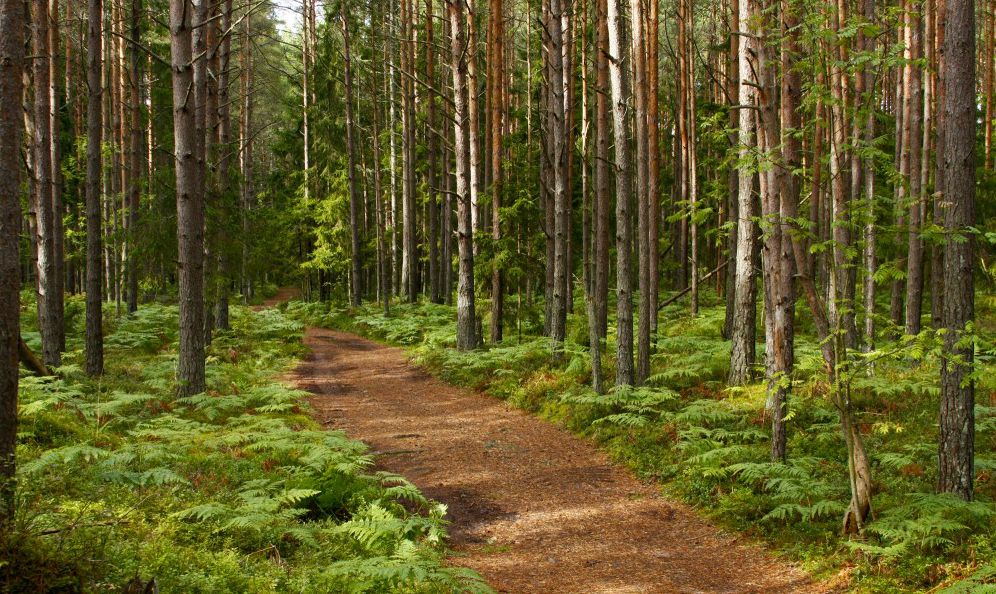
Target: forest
[{"x": 497, "y": 296}]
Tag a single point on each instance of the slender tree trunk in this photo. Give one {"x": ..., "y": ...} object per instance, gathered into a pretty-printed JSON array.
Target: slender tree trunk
[
  {"x": 135, "y": 166},
  {"x": 49, "y": 321},
  {"x": 466, "y": 335},
  {"x": 409, "y": 274},
  {"x": 937, "y": 249},
  {"x": 432, "y": 241},
  {"x": 957, "y": 416},
  {"x": 496, "y": 78},
  {"x": 639, "y": 52},
  {"x": 618, "y": 66},
  {"x": 356, "y": 291},
  {"x": 94, "y": 231},
  {"x": 559, "y": 192},
  {"x": 189, "y": 203},
  {"x": 914, "y": 252},
  {"x": 745, "y": 286},
  {"x": 13, "y": 22},
  {"x": 55, "y": 147},
  {"x": 602, "y": 177},
  {"x": 733, "y": 179}
]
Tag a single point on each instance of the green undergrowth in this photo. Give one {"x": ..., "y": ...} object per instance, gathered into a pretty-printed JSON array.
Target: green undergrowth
[
  {"x": 708, "y": 444},
  {"x": 233, "y": 490}
]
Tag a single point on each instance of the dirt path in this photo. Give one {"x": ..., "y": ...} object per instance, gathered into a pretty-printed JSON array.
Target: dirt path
[{"x": 533, "y": 508}]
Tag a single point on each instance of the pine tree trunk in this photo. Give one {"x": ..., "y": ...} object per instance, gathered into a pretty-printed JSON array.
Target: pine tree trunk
[
  {"x": 13, "y": 22},
  {"x": 496, "y": 78},
  {"x": 601, "y": 221},
  {"x": 355, "y": 286},
  {"x": 639, "y": 52},
  {"x": 94, "y": 231},
  {"x": 914, "y": 252},
  {"x": 189, "y": 203},
  {"x": 135, "y": 166},
  {"x": 619, "y": 83},
  {"x": 49, "y": 321},
  {"x": 745, "y": 284},
  {"x": 957, "y": 415},
  {"x": 55, "y": 146},
  {"x": 466, "y": 320},
  {"x": 558, "y": 191},
  {"x": 409, "y": 273}
]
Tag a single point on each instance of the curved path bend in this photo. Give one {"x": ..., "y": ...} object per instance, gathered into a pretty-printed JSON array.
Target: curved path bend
[{"x": 532, "y": 507}]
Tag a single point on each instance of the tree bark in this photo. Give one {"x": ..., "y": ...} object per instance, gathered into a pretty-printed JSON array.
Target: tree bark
[
  {"x": 466, "y": 326},
  {"x": 355, "y": 287},
  {"x": 620, "y": 96},
  {"x": 13, "y": 22},
  {"x": 745, "y": 287},
  {"x": 94, "y": 230},
  {"x": 189, "y": 203},
  {"x": 601, "y": 221},
  {"x": 957, "y": 415},
  {"x": 49, "y": 321},
  {"x": 496, "y": 79}
]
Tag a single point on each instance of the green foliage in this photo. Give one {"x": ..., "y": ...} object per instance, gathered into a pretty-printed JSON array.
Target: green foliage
[
  {"x": 709, "y": 444},
  {"x": 232, "y": 490}
]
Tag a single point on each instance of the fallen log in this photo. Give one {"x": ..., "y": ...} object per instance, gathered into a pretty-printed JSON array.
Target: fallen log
[{"x": 30, "y": 360}]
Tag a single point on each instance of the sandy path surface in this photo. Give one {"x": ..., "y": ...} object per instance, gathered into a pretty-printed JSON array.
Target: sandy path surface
[{"x": 533, "y": 508}]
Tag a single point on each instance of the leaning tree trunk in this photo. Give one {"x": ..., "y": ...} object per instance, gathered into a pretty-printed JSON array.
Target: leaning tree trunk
[
  {"x": 13, "y": 22},
  {"x": 189, "y": 205},
  {"x": 957, "y": 415}
]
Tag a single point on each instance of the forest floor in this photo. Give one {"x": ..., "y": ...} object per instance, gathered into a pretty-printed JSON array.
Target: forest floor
[{"x": 532, "y": 507}]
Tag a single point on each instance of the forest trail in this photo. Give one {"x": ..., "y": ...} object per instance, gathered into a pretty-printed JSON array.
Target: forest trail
[{"x": 532, "y": 507}]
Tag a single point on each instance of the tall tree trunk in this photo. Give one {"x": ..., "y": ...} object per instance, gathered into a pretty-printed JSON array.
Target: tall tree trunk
[
  {"x": 135, "y": 166},
  {"x": 639, "y": 52},
  {"x": 957, "y": 416},
  {"x": 466, "y": 326},
  {"x": 559, "y": 192},
  {"x": 619, "y": 83},
  {"x": 733, "y": 176},
  {"x": 55, "y": 147},
  {"x": 94, "y": 231},
  {"x": 496, "y": 79},
  {"x": 355, "y": 292},
  {"x": 13, "y": 22},
  {"x": 433, "y": 190},
  {"x": 914, "y": 252},
  {"x": 745, "y": 286},
  {"x": 189, "y": 203},
  {"x": 49, "y": 321},
  {"x": 601, "y": 221},
  {"x": 409, "y": 274}
]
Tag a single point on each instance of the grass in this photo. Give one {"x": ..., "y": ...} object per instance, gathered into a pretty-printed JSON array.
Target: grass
[
  {"x": 233, "y": 490},
  {"x": 707, "y": 444}
]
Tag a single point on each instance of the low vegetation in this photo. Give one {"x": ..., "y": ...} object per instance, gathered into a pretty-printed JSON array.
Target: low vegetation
[
  {"x": 232, "y": 490},
  {"x": 708, "y": 444}
]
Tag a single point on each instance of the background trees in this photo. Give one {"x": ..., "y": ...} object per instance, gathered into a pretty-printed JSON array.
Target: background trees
[{"x": 823, "y": 155}]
